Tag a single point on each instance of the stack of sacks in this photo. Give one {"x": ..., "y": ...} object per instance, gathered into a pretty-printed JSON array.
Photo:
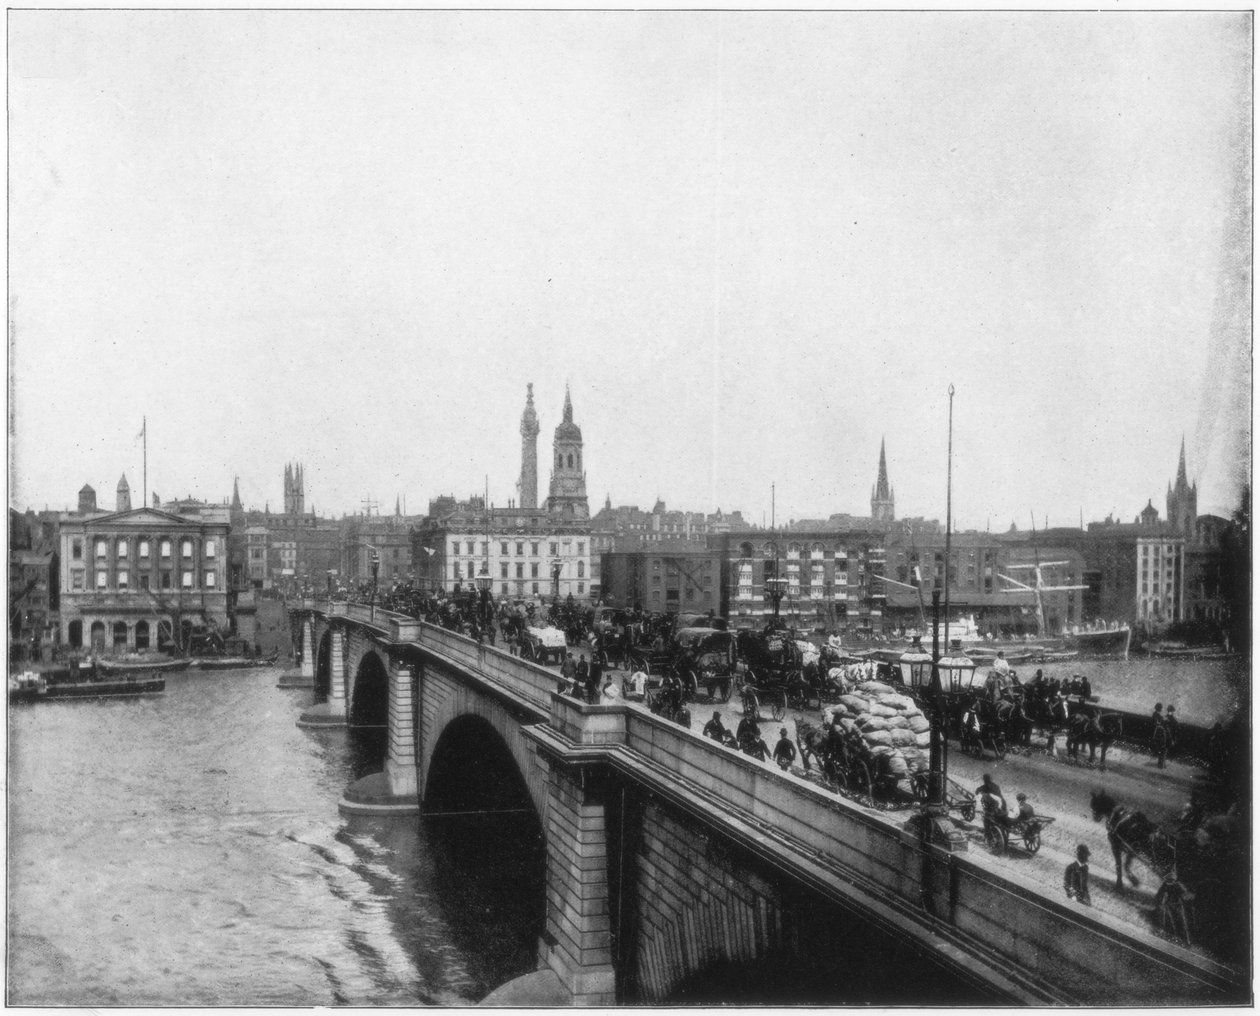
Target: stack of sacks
[{"x": 885, "y": 726}]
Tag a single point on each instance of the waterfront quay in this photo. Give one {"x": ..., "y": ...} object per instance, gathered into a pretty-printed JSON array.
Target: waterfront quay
[{"x": 660, "y": 842}]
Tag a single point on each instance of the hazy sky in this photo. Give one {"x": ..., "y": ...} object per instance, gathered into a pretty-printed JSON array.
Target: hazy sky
[{"x": 752, "y": 243}]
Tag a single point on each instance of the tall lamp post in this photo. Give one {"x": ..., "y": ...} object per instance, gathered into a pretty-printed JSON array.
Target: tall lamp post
[
  {"x": 933, "y": 823},
  {"x": 376, "y": 572}
]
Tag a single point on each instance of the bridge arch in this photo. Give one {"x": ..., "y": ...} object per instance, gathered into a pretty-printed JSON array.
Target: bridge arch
[
  {"x": 455, "y": 708},
  {"x": 369, "y": 700},
  {"x": 472, "y": 768}
]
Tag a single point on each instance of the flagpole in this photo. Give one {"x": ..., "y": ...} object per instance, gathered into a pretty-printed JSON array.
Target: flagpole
[{"x": 144, "y": 433}]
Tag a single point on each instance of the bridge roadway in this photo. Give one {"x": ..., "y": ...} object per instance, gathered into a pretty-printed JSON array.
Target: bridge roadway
[{"x": 667, "y": 855}]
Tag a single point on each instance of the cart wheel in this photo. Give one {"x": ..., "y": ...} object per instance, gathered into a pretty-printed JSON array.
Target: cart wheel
[
  {"x": 968, "y": 811},
  {"x": 752, "y": 707},
  {"x": 919, "y": 785},
  {"x": 863, "y": 788},
  {"x": 778, "y": 705},
  {"x": 691, "y": 687},
  {"x": 838, "y": 776},
  {"x": 995, "y": 837},
  {"x": 1032, "y": 840}
]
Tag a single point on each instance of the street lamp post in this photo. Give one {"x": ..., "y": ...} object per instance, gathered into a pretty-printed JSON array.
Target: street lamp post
[{"x": 376, "y": 571}]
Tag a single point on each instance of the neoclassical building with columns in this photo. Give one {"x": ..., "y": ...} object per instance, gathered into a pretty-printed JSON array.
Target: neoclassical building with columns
[{"x": 132, "y": 578}]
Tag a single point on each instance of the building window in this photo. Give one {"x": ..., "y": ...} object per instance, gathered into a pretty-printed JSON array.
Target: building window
[
  {"x": 469, "y": 544},
  {"x": 166, "y": 580},
  {"x": 124, "y": 579},
  {"x": 520, "y": 570},
  {"x": 122, "y": 549},
  {"x": 210, "y": 579},
  {"x": 455, "y": 570},
  {"x": 102, "y": 579},
  {"x": 164, "y": 548},
  {"x": 503, "y": 571},
  {"x": 485, "y": 548},
  {"x": 76, "y": 549},
  {"x": 144, "y": 580},
  {"x": 504, "y": 589},
  {"x": 186, "y": 580},
  {"x": 581, "y": 587},
  {"x": 520, "y": 550},
  {"x": 503, "y": 549},
  {"x": 186, "y": 550},
  {"x": 144, "y": 550},
  {"x": 455, "y": 547},
  {"x": 555, "y": 549},
  {"x": 101, "y": 549},
  {"x": 533, "y": 570},
  {"x": 581, "y": 569},
  {"x": 581, "y": 546},
  {"x": 210, "y": 547},
  {"x": 535, "y": 587},
  {"x": 533, "y": 549},
  {"x": 76, "y": 580}
]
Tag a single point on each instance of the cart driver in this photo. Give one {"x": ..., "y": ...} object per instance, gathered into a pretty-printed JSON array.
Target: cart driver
[
  {"x": 1026, "y": 813},
  {"x": 990, "y": 795}
]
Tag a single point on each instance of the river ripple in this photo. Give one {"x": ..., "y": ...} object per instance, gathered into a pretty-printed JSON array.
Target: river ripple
[{"x": 186, "y": 849}]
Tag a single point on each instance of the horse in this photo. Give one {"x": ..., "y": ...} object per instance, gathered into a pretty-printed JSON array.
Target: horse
[
  {"x": 1092, "y": 731},
  {"x": 1130, "y": 833}
]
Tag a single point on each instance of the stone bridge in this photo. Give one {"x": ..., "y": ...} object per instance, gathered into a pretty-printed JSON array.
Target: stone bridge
[{"x": 670, "y": 859}]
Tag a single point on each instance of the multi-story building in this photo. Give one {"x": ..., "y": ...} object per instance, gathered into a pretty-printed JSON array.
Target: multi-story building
[
  {"x": 825, "y": 575},
  {"x": 389, "y": 537},
  {"x": 525, "y": 554},
  {"x": 134, "y": 578},
  {"x": 674, "y": 578},
  {"x": 34, "y": 583}
]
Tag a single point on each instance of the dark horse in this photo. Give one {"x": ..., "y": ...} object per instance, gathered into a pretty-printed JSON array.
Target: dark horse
[
  {"x": 1130, "y": 833},
  {"x": 1090, "y": 730}
]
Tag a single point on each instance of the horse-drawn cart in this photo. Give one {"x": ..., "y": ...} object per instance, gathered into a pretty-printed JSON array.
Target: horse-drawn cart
[
  {"x": 544, "y": 645},
  {"x": 957, "y": 797}
]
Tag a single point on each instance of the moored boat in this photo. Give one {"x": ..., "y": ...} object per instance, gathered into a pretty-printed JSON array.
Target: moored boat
[
  {"x": 33, "y": 687},
  {"x": 234, "y": 662},
  {"x": 142, "y": 665}
]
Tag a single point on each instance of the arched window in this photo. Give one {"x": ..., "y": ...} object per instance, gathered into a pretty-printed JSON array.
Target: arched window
[
  {"x": 98, "y": 634},
  {"x": 120, "y": 633},
  {"x": 581, "y": 569},
  {"x": 142, "y": 634},
  {"x": 570, "y": 460},
  {"x": 745, "y": 550},
  {"x": 75, "y": 634},
  {"x": 559, "y": 460}
]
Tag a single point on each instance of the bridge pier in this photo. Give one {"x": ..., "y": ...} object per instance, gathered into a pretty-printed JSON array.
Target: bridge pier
[
  {"x": 333, "y": 711},
  {"x": 304, "y": 675},
  {"x": 396, "y": 790},
  {"x": 577, "y": 942}
]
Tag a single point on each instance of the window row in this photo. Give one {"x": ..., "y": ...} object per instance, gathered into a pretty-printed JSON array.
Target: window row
[
  {"x": 506, "y": 545},
  {"x": 121, "y": 547},
  {"x": 122, "y": 580}
]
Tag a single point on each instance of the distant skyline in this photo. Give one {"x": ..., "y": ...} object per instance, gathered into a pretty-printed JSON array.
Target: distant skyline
[{"x": 753, "y": 243}]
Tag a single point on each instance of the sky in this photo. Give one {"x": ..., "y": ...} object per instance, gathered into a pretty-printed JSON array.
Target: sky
[{"x": 752, "y": 244}]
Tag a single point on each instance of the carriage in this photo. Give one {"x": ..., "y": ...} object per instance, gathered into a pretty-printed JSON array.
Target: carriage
[
  {"x": 705, "y": 658},
  {"x": 772, "y": 671},
  {"x": 998, "y": 832},
  {"x": 848, "y": 763},
  {"x": 543, "y": 645}
]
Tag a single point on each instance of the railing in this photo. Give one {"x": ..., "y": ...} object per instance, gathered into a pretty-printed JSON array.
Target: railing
[{"x": 526, "y": 681}]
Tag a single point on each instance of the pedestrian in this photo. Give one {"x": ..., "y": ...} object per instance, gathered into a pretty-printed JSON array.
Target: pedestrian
[
  {"x": 1174, "y": 728},
  {"x": 638, "y": 686},
  {"x": 991, "y": 789},
  {"x": 581, "y": 676},
  {"x": 755, "y": 746},
  {"x": 716, "y": 729},
  {"x": 568, "y": 670},
  {"x": 784, "y": 751},
  {"x": 1076, "y": 877},
  {"x": 594, "y": 674},
  {"x": 1159, "y": 735},
  {"x": 1058, "y": 719},
  {"x": 609, "y": 694}
]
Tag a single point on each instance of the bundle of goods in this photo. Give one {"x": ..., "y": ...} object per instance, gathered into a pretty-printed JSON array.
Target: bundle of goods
[{"x": 881, "y": 724}]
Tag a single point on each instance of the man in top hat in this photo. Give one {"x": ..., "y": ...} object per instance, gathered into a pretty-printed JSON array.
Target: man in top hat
[{"x": 1076, "y": 877}]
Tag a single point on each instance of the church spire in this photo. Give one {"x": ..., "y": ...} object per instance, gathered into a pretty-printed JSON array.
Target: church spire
[
  {"x": 236, "y": 494},
  {"x": 568, "y": 406},
  {"x": 527, "y": 486},
  {"x": 882, "y": 499}
]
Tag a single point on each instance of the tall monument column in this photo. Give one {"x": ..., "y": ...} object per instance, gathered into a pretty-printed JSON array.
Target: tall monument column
[{"x": 529, "y": 452}]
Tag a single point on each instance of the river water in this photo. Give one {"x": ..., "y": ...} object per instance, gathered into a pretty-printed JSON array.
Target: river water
[
  {"x": 1204, "y": 691},
  {"x": 186, "y": 849}
]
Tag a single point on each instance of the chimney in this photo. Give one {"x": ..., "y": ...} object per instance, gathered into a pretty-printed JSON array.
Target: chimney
[{"x": 87, "y": 499}]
